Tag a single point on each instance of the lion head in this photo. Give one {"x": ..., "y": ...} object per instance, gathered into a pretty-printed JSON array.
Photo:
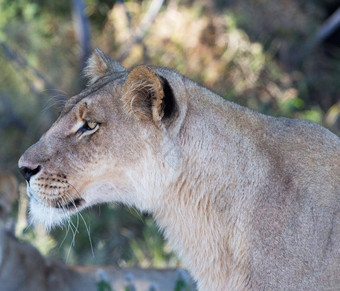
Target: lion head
[{"x": 111, "y": 143}]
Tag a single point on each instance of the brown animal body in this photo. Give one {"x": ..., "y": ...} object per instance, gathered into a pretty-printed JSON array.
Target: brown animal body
[{"x": 248, "y": 201}]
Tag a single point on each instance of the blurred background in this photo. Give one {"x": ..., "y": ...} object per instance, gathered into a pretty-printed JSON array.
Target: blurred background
[{"x": 278, "y": 57}]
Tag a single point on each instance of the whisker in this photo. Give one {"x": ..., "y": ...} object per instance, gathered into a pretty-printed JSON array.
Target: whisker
[
  {"x": 50, "y": 215},
  {"x": 72, "y": 201},
  {"x": 74, "y": 189},
  {"x": 88, "y": 234},
  {"x": 77, "y": 225},
  {"x": 56, "y": 90},
  {"x": 73, "y": 236},
  {"x": 68, "y": 225},
  {"x": 70, "y": 221},
  {"x": 65, "y": 236},
  {"x": 81, "y": 216},
  {"x": 74, "y": 227},
  {"x": 59, "y": 99},
  {"x": 57, "y": 103}
]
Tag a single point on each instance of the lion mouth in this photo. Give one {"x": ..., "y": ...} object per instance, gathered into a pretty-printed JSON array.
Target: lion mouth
[{"x": 71, "y": 205}]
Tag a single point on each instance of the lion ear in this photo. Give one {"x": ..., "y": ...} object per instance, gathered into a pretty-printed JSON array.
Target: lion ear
[
  {"x": 148, "y": 96},
  {"x": 99, "y": 64}
]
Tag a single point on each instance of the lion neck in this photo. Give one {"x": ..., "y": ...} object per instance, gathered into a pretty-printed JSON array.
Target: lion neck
[
  {"x": 202, "y": 214},
  {"x": 204, "y": 210},
  {"x": 201, "y": 227}
]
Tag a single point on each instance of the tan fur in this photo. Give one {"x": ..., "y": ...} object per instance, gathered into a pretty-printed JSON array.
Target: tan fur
[
  {"x": 249, "y": 202},
  {"x": 98, "y": 65},
  {"x": 143, "y": 90}
]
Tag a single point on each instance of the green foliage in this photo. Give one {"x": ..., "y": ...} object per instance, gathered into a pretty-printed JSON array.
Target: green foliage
[
  {"x": 149, "y": 249},
  {"x": 181, "y": 283},
  {"x": 104, "y": 286},
  {"x": 236, "y": 50},
  {"x": 102, "y": 281}
]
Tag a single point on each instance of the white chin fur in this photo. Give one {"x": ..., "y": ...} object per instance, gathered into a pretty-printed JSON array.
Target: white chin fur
[{"x": 48, "y": 217}]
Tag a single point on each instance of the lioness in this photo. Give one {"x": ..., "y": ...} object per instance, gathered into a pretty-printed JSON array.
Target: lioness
[{"x": 248, "y": 201}]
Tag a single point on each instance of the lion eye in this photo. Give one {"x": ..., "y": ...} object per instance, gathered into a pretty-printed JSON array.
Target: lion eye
[
  {"x": 87, "y": 128},
  {"x": 91, "y": 124}
]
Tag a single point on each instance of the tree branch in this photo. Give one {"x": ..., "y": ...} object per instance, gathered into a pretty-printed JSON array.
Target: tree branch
[
  {"x": 22, "y": 63},
  {"x": 143, "y": 28},
  {"x": 328, "y": 27},
  {"x": 82, "y": 30},
  {"x": 27, "y": 71}
]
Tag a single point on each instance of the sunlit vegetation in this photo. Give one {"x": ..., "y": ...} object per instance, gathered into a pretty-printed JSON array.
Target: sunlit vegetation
[{"x": 255, "y": 55}]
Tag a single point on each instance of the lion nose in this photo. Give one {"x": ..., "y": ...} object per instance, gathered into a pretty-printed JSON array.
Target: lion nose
[{"x": 28, "y": 173}]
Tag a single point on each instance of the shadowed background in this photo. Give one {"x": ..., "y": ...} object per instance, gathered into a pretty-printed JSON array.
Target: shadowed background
[{"x": 278, "y": 57}]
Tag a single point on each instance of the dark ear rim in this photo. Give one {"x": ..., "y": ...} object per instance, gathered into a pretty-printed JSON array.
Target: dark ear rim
[
  {"x": 149, "y": 96},
  {"x": 170, "y": 105}
]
